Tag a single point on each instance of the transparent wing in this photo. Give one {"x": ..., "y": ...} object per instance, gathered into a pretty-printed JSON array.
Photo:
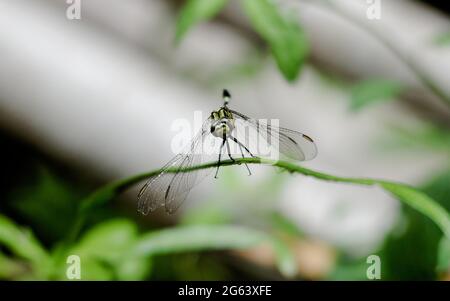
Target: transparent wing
[
  {"x": 290, "y": 144},
  {"x": 170, "y": 189}
]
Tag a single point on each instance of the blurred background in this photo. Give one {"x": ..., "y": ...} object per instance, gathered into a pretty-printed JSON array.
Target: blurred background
[{"x": 87, "y": 101}]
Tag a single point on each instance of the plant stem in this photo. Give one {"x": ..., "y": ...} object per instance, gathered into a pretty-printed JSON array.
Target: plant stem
[{"x": 404, "y": 193}]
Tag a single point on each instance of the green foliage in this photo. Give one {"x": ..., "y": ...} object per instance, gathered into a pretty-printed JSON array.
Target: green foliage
[
  {"x": 371, "y": 91},
  {"x": 284, "y": 225},
  {"x": 10, "y": 268},
  {"x": 429, "y": 137},
  {"x": 442, "y": 39},
  {"x": 286, "y": 38},
  {"x": 44, "y": 201},
  {"x": 114, "y": 250},
  {"x": 206, "y": 215},
  {"x": 409, "y": 253},
  {"x": 197, "y": 237},
  {"x": 349, "y": 270},
  {"x": 413, "y": 251},
  {"x": 422, "y": 203},
  {"x": 194, "y": 12},
  {"x": 283, "y": 34},
  {"x": 104, "y": 250},
  {"x": 22, "y": 244},
  {"x": 443, "y": 258},
  {"x": 212, "y": 237},
  {"x": 410, "y": 196}
]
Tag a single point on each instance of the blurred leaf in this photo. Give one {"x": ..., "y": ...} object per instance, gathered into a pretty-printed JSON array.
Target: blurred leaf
[
  {"x": 196, "y": 238},
  {"x": 23, "y": 244},
  {"x": 443, "y": 263},
  {"x": 133, "y": 269},
  {"x": 443, "y": 39},
  {"x": 371, "y": 91},
  {"x": 108, "y": 240},
  {"x": 196, "y": 11},
  {"x": 428, "y": 137},
  {"x": 284, "y": 224},
  {"x": 284, "y": 35},
  {"x": 422, "y": 203},
  {"x": 92, "y": 269},
  {"x": 194, "y": 267},
  {"x": 103, "y": 252},
  {"x": 10, "y": 269},
  {"x": 345, "y": 271},
  {"x": 413, "y": 254},
  {"x": 44, "y": 202},
  {"x": 211, "y": 237},
  {"x": 206, "y": 216},
  {"x": 439, "y": 189},
  {"x": 284, "y": 258}
]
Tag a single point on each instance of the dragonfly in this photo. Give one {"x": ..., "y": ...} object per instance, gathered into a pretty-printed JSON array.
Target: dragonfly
[{"x": 171, "y": 186}]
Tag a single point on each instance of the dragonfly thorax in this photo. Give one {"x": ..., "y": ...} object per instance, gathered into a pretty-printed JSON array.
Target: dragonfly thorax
[
  {"x": 223, "y": 122},
  {"x": 222, "y": 113}
]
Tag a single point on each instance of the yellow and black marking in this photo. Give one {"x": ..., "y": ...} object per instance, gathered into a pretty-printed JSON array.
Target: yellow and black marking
[
  {"x": 221, "y": 114},
  {"x": 308, "y": 138}
]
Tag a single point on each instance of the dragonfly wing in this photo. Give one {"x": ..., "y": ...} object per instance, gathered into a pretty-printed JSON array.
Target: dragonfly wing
[
  {"x": 172, "y": 185},
  {"x": 151, "y": 195},
  {"x": 290, "y": 144},
  {"x": 183, "y": 182}
]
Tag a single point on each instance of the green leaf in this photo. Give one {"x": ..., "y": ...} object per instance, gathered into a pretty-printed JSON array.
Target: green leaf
[
  {"x": 44, "y": 201},
  {"x": 443, "y": 264},
  {"x": 206, "y": 216},
  {"x": 212, "y": 237},
  {"x": 286, "y": 38},
  {"x": 410, "y": 252},
  {"x": 284, "y": 258},
  {"x": 345, "y": 271},
  {"x": 197, "y": 238},
  {"x": 371, "y": 91},
  {"x": 443, "y": 39},
  {"x": 426, "y": 138},
  {"x": 10, "y": 269},
  {"x": 103, "y": 252},
  {"x": 108, "y": 240},
  {"x": 422, "y": 203},
  {"x": 22, "y": 243},
  {"x": 284, "y": 224},
  {"x": 196, "y": 11}
]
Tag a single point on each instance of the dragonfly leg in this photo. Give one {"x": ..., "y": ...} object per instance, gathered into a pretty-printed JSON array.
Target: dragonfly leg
[
  {"x": 228, "y": 150},
  {"x": 220, "y": 155},
  {"x": 242, "y": 153},
  {"x": 242, "y": 145}
]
